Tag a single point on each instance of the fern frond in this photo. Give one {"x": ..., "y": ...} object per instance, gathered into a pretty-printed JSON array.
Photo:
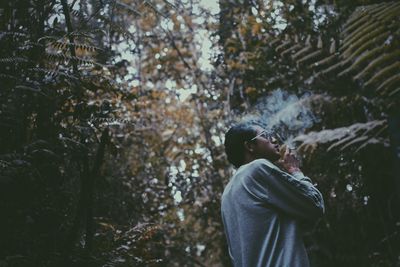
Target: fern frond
[
  {"x": 389, "y": 11},
  {"x": 324, "y": 61},
  {"x": 309, "y": 56},
  {"x": 12, "y": 34},
  {"x": 32, "y": 89},
  {"x": 41, "y": 70},
  {"x": 344, "y": 137},
  {"x": 365, "y": 42},
  {"x": 395, "y": 91},
  {"x": 54, "y": 73},
  {"x": 368, "y": 13},
  {"x": 334, "y": 67},
  {"x": 67, "y": 58},
  {"x": 78, "y": 14},
  {"x": 367, "y": 56},
  {"x": 360, "y": 21},
  {"x": 377, "y": 62},
  {"x": 386, "y": 85},
  {"x": 301, "y": 52},
  {"x": 87, "y": 34},
  {"x": 370, "y": 9},
  {"x": 65, "y": 45},
  {"x": 283, "y": 45},
  {"x": 377, "y": 25},
  {"x": 351, "y": 39},
  {"x": 354, "y": 141},
  {"x": 129, "y": 8},
  {"x": 28, "y": 46},
  {"x": 274, "y": 41},
  {"x": 7, "y": 76},
  {"x": 291, "y": 49},
  {"x": 383, "y": 73},
  {"x": 14, "y": 60},
  {"x": 346, "y": 71}
]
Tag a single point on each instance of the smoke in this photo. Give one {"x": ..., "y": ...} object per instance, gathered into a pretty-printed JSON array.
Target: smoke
[{"x": 284, "y": 113}]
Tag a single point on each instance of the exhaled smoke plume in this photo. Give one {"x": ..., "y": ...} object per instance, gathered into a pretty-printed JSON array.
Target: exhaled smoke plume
[{"x": 285, "y": 113}]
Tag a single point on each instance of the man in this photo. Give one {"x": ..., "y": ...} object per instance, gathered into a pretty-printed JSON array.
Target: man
[{"x": 265, "y": 200}]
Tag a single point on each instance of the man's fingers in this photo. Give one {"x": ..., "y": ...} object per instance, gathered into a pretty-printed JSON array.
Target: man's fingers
[{"x": 282, "y": 150}]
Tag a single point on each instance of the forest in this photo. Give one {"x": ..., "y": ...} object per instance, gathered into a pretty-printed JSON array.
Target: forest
[{"x": 113, "y": 115}]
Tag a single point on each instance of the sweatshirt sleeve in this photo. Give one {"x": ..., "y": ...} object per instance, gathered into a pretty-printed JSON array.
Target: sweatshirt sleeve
[{"x": 294, "y": 194}]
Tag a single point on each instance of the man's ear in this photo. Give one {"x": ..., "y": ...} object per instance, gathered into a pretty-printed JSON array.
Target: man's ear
[{"x": 249, "y": 146}]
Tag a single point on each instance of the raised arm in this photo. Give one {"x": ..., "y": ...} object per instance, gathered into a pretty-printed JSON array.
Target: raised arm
[{"x": 293, "y": 194}]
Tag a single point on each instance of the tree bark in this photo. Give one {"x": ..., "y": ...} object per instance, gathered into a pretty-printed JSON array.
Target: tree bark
[
  {"x": 90, "y": 194},
  {"x": 84, "y": 212}
]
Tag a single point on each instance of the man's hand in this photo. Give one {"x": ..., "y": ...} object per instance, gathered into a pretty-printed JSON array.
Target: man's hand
[{"x": 289, "y": 162}]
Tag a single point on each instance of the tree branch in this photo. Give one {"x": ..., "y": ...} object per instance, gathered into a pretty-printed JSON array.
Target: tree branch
[{"x": 70, "y": 29}]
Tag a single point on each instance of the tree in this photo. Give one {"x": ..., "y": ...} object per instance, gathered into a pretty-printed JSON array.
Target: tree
[{"x": 108, "y": 163}]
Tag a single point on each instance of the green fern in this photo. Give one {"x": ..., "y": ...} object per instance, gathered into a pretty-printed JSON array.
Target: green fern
[
  {"x": 357, "y": 135},
  {"x": 377, "y": 62},
  {"x": 65, "y": 45},
  {"x": 66, "y": 58},
  {"x": 14, "y": 60},
  {"x": 384, "y": 73}
]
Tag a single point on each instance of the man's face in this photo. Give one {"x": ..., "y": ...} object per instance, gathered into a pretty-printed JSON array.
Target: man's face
[{"x": 265, "y": 146}]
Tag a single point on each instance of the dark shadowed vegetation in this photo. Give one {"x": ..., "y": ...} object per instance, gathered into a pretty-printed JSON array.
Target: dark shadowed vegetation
[{"x": 113, "y": 113}]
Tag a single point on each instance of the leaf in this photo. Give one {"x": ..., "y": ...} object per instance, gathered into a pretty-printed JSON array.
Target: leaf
[{"x": 343, "y": 137}]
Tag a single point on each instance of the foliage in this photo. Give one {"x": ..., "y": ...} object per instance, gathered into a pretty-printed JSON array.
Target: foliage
[
  {"x": 344, "y": 72},
  {"x": 107, "y": 160},
  {"x": 56, "y": 77}
]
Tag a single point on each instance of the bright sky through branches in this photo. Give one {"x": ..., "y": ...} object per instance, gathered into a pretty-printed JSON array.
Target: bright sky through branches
[{"x": 203, "y": 38}]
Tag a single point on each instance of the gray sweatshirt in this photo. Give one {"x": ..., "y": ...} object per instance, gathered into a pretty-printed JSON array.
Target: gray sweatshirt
[{"x": 261, "y": 210}]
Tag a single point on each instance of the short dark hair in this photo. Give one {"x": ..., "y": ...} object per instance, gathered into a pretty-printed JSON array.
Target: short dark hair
[{"x": 234, "y": 141}]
